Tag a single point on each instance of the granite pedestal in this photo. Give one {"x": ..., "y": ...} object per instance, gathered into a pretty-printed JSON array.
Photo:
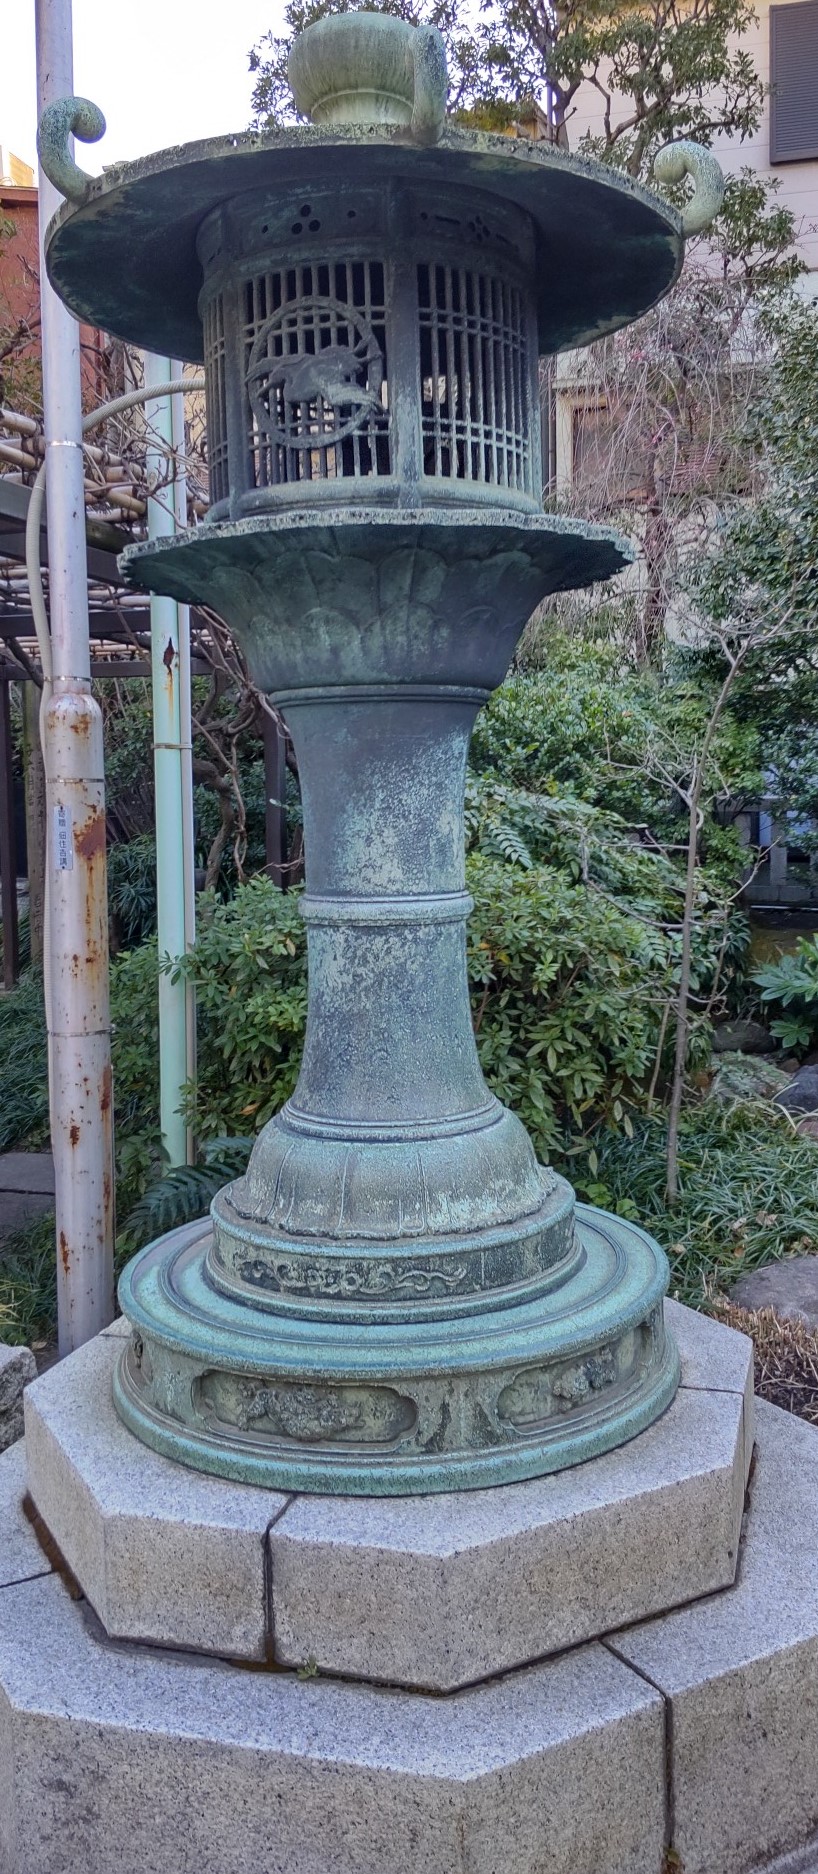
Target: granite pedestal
[
  {"x": 456, "y": 1589},
  {"x": 458, "y": 1684}
]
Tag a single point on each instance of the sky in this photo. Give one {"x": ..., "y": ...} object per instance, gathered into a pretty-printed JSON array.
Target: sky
[{"x": 167, "y": 72}]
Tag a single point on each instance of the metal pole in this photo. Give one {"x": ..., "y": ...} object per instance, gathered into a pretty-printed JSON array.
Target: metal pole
[
  {"x": 167, "y": 759},
  {"x": 76, "y": 957},
  {"x": 186, "y": 723},
  {"x": 8, "y": 845}
]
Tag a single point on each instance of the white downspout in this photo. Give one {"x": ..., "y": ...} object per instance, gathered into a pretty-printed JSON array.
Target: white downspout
[
  {"x": 173, "y": 849},
  {"x": 186, "y": 713}
]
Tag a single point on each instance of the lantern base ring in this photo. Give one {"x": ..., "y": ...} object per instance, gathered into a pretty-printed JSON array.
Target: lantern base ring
[{"x": 396, "y": 1409}]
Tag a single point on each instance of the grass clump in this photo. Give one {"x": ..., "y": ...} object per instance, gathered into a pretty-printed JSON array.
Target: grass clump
[
  {"x": 28, "y": 1283},
  {"x": 785, "y": 1357},
  {"x": 748, "y": 1192},
  {"x": 24, "y": 1066}
]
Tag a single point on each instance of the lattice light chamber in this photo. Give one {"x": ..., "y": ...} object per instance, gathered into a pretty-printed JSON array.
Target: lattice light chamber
[{"x": 373, "y": 344}]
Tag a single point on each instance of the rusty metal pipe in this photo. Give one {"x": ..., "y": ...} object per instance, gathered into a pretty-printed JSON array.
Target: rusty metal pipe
[{"x": 77, "y": 929}]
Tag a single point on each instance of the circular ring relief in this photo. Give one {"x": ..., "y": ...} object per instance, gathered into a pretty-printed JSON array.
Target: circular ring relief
[{"x": 316, "y": 372}]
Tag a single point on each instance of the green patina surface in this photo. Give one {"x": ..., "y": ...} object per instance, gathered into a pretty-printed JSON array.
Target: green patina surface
[
  {"x": 394, "y": 1409},
  {"x": 126, "y": 260},
  {"x": 396, "y": 1296}
]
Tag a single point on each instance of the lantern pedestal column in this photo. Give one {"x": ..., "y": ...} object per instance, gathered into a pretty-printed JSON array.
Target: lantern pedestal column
[{"x": 396, "y": 1297}]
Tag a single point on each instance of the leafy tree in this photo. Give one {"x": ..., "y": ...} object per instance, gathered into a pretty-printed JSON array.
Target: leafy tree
[
  {"x": 583, "y": 721},
  {"x": 763, "y": 570},
  {"x": 20, "y": 370},
  {"x": 663, "y": 68},
  {"x": 669, "y": 402}
]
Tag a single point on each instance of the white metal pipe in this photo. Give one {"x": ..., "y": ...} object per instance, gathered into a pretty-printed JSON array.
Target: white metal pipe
[
  {"x": 186, "y": 726},
  {"x": 76, "y": 887},
  {"x": 13, "y": 419},
  {"x": 167, "y": 757},
  {"x": 22, "y": 458},
  {"x": 126, "y": 401}
]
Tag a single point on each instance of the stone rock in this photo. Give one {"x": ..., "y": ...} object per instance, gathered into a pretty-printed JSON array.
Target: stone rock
[
  {"x": 463, "y": 1586},
  {"x": 801, "y": 1861},
  {"x": 747, "y": 1077},
  {"x": 801, "y": 1096},
  {"x": 789, "y": 1287},
  {"x": 743, "y": 1038},
  {"x": 17, "y": 1368},
  {"x": 704, "y": 1721},
  {"x": 739, "y": 1672},
  {"x": 27, "y": 1171}
]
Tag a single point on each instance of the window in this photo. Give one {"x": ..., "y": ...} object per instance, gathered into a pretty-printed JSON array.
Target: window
[{"x": 794, "y": 82}]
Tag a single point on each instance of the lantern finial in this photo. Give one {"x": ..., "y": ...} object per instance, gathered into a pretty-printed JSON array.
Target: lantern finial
[{"x": 369, "y": 68}]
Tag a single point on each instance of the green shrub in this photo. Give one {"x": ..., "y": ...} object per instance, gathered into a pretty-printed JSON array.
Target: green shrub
[
  {"x": 132, "y": 889},
  {"x": 748, "y": 1191},
  {"x": 182, "y": 1194},
  {"x": 23, "y": 1066},
  {"x": 792, "y": 982},
  {"x": 589, "y": 725},
  {"x": 567, "y": 995},
  {"x": 28, "y": 1282},
  {"x": 249, "y": 969}
]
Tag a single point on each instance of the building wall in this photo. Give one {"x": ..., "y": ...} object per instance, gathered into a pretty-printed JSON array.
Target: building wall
[
  {"x": 798, "y": 191},
  {"x": 799, "y": 181},
  {"x": 20, "y": 288},
  {"x": 13, "y": 170}
]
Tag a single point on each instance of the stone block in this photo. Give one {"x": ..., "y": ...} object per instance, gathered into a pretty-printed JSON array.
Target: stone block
[
  {"x": 17, "y": 1208},
  {"x": 459, "y": 1587},
  {"x": 740, "y": 1674},
  {"x": 27, "y": 1171},
  {"x": 789, "y": 1287},
  {"x": 124, "y": 1761},
  {"x": 21, "y": 1557},
  {"x": 715, "y": 1358},
  {"x": 802, "y": 1861},
  {"x": 17, "y": 1368},
  {"x": 163, "y": 1553}
]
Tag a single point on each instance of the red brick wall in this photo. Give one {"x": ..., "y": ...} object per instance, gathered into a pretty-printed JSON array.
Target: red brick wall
[{"x": 20, "y": 296}]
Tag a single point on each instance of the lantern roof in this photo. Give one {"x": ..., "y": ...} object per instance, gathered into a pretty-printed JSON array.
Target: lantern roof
[{"x": 124, "y": 258}]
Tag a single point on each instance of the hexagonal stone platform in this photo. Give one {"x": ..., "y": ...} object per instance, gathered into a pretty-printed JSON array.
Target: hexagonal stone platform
[
  {"x": 458, "y": 1588},
  {"x": 739, "y": 1673},
  {"x": 696, "y": 1732},
  {"x": 123, "y": 1760}
]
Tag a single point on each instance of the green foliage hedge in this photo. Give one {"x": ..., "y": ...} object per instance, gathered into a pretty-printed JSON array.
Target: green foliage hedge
[
  {"x": 575, "y": 859},
  {"x": 748, "y": 1191},
  {"x": 790, "y": 983}
]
